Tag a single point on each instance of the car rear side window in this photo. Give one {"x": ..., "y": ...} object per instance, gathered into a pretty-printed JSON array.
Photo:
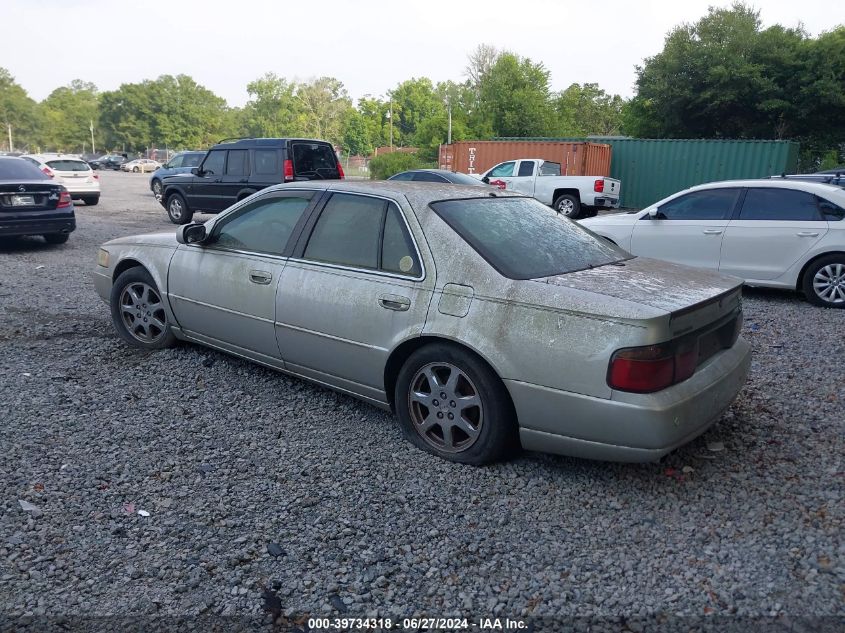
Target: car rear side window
[
  {"x": 397, "y": 250},
  {"x": 348, "y": 231},
  {"x": 266, "y": 162},
  {"x": 236, "y": 164},
  {"x": 263, "y": 226},
  {"x": 526, "y": 168},
  {"x": 710, "y": 204},
  {"x": 17, "y": 169},
  {"x": 427, "y": 176},
  {"x": 68, "y": 165},
  {"x": 779, "y": 204},
  {"x": 524, "y": 239},
  {"x": 314, "y": 161},
  {"x": 404, "y": 176},
  {"x": 214, "y": 162}
]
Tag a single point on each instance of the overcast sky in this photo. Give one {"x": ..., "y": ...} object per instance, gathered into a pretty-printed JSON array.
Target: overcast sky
[{"x": 370, "y": 46}]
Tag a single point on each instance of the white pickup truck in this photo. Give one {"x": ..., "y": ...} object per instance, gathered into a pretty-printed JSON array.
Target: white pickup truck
[{"x": 574, "y": 196}]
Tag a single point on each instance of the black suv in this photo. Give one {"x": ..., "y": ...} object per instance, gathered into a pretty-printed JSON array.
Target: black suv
[{"x": 236, "y": 168}]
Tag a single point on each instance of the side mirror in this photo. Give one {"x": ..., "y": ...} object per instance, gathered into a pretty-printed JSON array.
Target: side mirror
[
  {"x": 485, "y": 180},
  {"x": 195, "y": 171},
  {"x": 654, "y": 213},
  {"x": 191, "y": 234}
]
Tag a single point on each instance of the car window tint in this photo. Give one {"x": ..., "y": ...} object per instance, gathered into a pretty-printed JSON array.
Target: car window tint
[
  {"x": 314, "y": 161},
  {"x": 779, "y": 204},
  {"x": 16, "y": 169},
  {"x": 831, "y": 212},
  {"x": 526, "y": 168},
  {"x": 503, "y": 170},
  {"x": 711, "y": 204},
  {"x": 68, "y": 165},
  {"x": 405, "y": 176},
  {"x": 192, "y": 160},
  {"x": 348, "y": 232},
  {"x": 266, "y": 162},
  {"x": 264, "y": 226},
  {"x": 236, "y": 165},
  {"x": 549, "y": 168},
  {"x": 463, "y": 179},
  {"x": 427, "y": 176},
  {"x": 524, "y": 239},
  {"x": 214, "y": 162},
  {"x": 397, "y": 250},
  {"x": 176, "y": 162}
]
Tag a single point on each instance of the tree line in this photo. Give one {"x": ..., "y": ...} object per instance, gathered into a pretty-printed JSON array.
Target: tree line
[{"x": 724, "y": 76}]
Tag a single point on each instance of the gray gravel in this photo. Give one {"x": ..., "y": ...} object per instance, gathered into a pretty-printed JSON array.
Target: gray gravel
[{"x": 266, "y": 493}]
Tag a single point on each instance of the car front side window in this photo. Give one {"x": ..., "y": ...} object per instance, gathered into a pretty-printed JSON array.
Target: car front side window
[
  {"x": 711, "y": 204},
  {"x": 263, "y": 226},
  {"x": 176, "y": 162},
  {"x": 214, "y": 162},
  {"x": 502, "y": 171}
]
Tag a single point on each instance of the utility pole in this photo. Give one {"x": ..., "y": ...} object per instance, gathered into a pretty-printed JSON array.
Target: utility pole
[
  {"x": 449, "y": 110},
  {"x": 389, "y": 116},
  {"x": 9, "y": 125},
  {"x": 91, "y": 127}
]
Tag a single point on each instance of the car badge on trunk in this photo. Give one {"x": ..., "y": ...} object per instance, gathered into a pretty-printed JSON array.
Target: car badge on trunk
[{"x": 21, "y": 188}]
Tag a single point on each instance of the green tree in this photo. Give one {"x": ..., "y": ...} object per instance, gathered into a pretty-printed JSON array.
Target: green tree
[
  {"x": 514, "y": 97},
  {"x": 66, "y": 117},
  {"x": 273, "y": 109},
  {"x": 19, "y": 111},
  {"x": 584, "y": 110},
  {"x": 414, "y": 101},
  {"x": 386, "y": 165},
  {"x": 356, "y": 134},
  {"x": 322, "y": 104}
]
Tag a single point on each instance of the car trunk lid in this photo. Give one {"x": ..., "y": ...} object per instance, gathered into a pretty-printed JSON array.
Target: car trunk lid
[{"x": 28, "y": 196}]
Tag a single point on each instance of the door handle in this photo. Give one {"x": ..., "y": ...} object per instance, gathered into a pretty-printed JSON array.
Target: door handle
[
  {"x": 260, "y": 277},
  {"x": 394, "y": 302},
  {"x": 807, "y": 234},
  {"x": 712, "y": 231}
]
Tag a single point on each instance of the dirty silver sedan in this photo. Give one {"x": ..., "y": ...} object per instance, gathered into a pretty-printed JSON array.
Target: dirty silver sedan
[{"x": 483, "y": 319}]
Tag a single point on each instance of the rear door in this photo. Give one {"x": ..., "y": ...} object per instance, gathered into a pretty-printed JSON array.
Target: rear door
[
  {"x": 236, "y": 176},
  {"x": 688, "y": 229},
  {"x": 524, "y": 180},
  {"x": 773, "y": 230},
  {"x": 266, "y": 167}
]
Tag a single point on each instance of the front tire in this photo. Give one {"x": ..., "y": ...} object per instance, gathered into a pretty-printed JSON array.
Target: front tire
[
  {"x": 137, "y": 311},
  {"x": 451, "y": 404},
  {"x": 56, "y": 238},
  {"x": 177, "y": 209},
  {"x": 824, "y": 282},
  {"x": 568, "y": 205}
]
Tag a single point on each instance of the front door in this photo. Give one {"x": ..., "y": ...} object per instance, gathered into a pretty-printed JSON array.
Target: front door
[
  {"x": 774, "y": 229},
  {"x": 206, "y": 191},
  {"x": 224, "y": 291},
  {"x": 356, "y": 291},
  {"x": 688, "y": 229}
]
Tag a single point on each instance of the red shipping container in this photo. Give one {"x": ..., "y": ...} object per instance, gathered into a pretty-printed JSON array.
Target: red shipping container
[{"x": 576, "y": 159}]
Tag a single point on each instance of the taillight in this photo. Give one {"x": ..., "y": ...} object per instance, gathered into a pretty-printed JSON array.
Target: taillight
[
  {"x": 288, "y": 170},
  {"x": 642, "y": 369},
  {"x": 340, "y": 173},
  {"x": 95, "y": 175},
  {"x": 598, "y": 185},
  {"x": 64, "y": 200},
  {"x": 47, "y": 171}
]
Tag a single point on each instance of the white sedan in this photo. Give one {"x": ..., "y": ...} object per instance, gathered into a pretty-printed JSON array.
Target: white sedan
[
  {"x": 777, "y": 234},
  {"x": 141, "y": 165}
]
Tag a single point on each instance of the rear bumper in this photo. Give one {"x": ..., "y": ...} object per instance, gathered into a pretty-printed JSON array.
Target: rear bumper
[
  {"x": 12, "y": 226},
  {"x": 640, "y": 428},
  {"x": 606, "y": 203},
  {"x": 77, "y": 191}
]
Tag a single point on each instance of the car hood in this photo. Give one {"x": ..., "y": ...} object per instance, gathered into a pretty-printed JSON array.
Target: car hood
[
  {"x": 662, "y": 285},
  {"x": 610, "y": 218},
  {"x": 146, "y": 239}
]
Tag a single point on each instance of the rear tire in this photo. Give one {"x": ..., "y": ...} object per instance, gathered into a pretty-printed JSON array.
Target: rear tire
[
  {"x": 157, "y": 190},
  {"x": 824, "y": 282},
  {"x": 135, "y": 170},
  {"x": 568, "y": 205},
  {"x": 137, "y": 311},
  {"x": 56, "y": 238},
  {"x": 473, "y": 423},
  {"x": 177, "y": 209}
]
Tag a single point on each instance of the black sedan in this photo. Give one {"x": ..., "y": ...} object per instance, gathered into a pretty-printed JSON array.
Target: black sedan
[
  {"x": 109, "y": 161},
  {"x": 32, "y": 204},
  {"x": 437, "y": 175}
]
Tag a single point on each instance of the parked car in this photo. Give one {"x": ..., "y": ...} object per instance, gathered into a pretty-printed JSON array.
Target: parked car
[
  {"x": 234, "y": 169},
  {"x": 484, "y": 319},
  {"x": 437, "y": 175},
  {"x": 142, "y": 165},
  {"x": 180, "y": 164},
  {"x": 31, "y": 203},
  {"x": 72, "y": 172},
  {"x": 109, "y": 161},
  {"x": 572, "y": 196},
  {"x": 773, "y": 233}
]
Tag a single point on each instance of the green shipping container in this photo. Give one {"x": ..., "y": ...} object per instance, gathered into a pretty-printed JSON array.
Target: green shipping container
[{"x": 651, "y": 169}]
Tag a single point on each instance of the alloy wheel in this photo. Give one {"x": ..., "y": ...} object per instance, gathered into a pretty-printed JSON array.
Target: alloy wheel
[
  {"x": 445, "y": 407},
  {"x": 142, "y": 312},
  {"x": 174, "y": 208},
  {"x": 566, "y": 207},
  {"x": 829, "y": 283}
]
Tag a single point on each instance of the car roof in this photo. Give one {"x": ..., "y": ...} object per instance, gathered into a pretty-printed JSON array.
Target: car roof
[
  {"x": 264, "y": 142},
  {"x": 45, "y": 157},
  {"x": 419, "y": 194},
  {"x": 802, "y": 185}
]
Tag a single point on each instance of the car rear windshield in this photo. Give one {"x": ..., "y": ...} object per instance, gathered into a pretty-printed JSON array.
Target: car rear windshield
[
  {"x": 19, "y": 169},
  {"x": 315, "y": 161},
  {"x": 524, "y": 239},
  {"x": 68, "y": 165}
]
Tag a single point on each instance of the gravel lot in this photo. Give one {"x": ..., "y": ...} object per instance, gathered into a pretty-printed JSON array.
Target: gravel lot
[{"x": 268, "y": 494}]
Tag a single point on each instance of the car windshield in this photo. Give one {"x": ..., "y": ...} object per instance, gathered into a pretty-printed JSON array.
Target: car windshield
[
  {"x": 524, "y": 239},
  {"x": 17, "y": 169},
  {"x": 68, "y": 165},
  {"x": 463, "y": 179}
]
